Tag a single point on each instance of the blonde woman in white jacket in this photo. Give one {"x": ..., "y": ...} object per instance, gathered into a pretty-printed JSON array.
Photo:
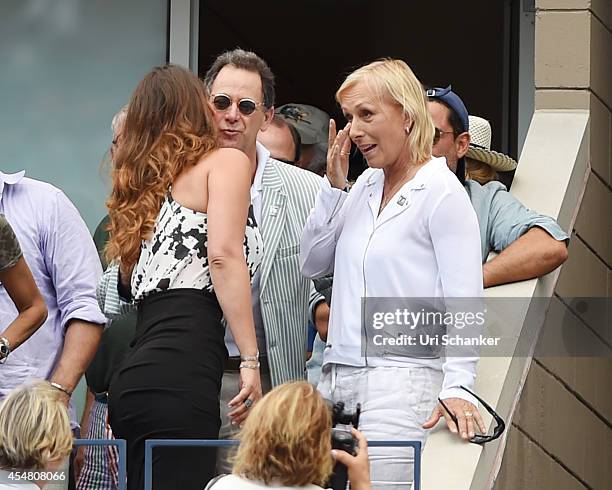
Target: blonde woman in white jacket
[{"x": 405, "y": 230}]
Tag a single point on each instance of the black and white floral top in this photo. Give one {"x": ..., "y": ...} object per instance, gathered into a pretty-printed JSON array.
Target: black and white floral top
[
  {"x": 10, "y": 251},
  {"x": 176, "y": 256}
]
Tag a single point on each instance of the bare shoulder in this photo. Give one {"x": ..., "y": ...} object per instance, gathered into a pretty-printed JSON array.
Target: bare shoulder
[{"x": 226, "y": 157}]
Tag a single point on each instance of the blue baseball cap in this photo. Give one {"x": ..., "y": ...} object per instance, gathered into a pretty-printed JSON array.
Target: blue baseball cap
[{"x": 452, "y": 100}]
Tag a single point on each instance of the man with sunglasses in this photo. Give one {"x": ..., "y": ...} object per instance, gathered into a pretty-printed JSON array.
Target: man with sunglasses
[
  {"x": 529, "y": 244},
  {"x": 241, "y": 87}
]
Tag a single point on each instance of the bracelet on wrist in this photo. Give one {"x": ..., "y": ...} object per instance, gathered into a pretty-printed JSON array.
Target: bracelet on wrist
[
  {"x": 63, "y": 389},
  {"x": 249, "y": 365},
  {"x": 250, "y": 358}
]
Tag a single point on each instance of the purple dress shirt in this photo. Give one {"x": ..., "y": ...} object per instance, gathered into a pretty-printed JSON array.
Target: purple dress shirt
[{"x": 61, "y": 254}]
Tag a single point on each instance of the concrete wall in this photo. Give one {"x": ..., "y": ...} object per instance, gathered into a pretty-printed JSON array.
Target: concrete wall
[{"x": 561, "y": 435}]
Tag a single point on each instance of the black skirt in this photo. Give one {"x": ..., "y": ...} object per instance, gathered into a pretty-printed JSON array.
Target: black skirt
[{"x": 168, "y": 387}]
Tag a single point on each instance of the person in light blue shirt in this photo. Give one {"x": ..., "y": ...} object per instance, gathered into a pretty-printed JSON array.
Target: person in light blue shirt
[
  {"x": 529, "y": 244},
  {"x": 64, "y": 263}
]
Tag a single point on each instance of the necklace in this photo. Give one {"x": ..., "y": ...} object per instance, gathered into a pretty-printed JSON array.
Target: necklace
[{"x": 386, "y": 197}]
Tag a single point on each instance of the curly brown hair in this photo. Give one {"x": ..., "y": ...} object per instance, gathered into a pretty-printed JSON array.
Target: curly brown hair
[
  {"x": 287, "y": 438},
  {"x": 168, "y": 128}
]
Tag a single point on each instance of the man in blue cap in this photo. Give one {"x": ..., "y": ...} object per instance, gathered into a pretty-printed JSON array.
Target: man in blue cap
[
  {"x": 451, "y": 140},
  {"x": 529, "y": 244}
]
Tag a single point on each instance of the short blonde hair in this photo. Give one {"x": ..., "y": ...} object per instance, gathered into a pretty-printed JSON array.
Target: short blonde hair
[
  {"x": 395, "y": 79},
  {"x": 287, "y": 438},
  {"x": 34, "y": 427},
  {"x": 479, "y": 171}
]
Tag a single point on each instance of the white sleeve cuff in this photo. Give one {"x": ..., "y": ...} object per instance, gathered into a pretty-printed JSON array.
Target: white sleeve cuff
[
  {"x": 457, "y": 392},
  {"x": 328, "y": 203}
]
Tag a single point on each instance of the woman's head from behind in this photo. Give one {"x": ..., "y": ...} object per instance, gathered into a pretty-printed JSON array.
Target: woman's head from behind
[
  {"x": 388, "y": 112},
  {"x": 287, "y": 438},
  {"x": 117, "y": 128},
  {"x": 479, "y": 171},
  {"x": 34, "y": 428},
  {"x": 168, "y": 127}
]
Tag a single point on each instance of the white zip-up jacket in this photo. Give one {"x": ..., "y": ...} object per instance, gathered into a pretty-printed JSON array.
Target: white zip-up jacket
[{"x": 424, "y": 244}]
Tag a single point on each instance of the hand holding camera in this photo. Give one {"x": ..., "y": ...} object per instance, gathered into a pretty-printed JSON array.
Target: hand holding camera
[
  {"x": 345, "y": 446},
  {"x": 358, "y": 465}
]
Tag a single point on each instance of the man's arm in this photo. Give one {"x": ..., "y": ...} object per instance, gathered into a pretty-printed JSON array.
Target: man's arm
[
  {"x": 74, "y": 266},
  {"x": 89, "y": 399},
  {"x": 320, "y": 296},
  {"x": 534, "y": 254},
  {"x": 529, "y": 244},
  {"x": 80, "y": 344},
  {"x": 80, "y": 456},
  {"x": 321, "y": 319}
]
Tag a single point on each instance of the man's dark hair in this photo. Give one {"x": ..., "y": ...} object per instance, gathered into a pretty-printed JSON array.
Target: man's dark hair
[
  {"x": 453, "y": 118},
  {"x": 281, "y": 122},
  {"x": 245, "y": 60}
]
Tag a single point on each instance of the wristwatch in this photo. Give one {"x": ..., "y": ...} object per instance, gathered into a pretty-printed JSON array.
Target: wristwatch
[{"x": 5, "y": 349}]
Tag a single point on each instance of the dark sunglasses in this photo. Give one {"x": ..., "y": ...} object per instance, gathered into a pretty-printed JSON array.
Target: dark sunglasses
[
  {"x": 246, "y": 106},
  {"x": 480, "y": 438},
  {"x": 438, "y": 134}
]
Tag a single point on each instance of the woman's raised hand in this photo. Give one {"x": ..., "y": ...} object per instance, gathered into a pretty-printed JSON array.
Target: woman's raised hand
[{"x": 338, "y": 148}]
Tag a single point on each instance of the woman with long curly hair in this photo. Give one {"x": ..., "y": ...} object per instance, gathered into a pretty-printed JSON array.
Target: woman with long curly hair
[{"x": 180, "y": 228}]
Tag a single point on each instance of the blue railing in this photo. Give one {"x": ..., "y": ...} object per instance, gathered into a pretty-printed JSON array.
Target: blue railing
[
  {"x": 152, "y": 443},
  {"x": 120, "y": 443}
]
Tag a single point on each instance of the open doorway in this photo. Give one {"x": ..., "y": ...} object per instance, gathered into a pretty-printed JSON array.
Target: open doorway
[{"x": 311, "y": 45}]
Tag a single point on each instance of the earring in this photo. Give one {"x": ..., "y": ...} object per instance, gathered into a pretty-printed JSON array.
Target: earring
[{"x": 407, "y": 130}]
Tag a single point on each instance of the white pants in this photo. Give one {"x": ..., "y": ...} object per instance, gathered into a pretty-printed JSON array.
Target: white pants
[{"x": 395, "y": 402}]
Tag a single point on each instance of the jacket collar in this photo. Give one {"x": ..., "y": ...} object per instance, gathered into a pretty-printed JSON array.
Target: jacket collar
[
  {"x": 262, "y": 159},
  {"x": 421, "y": 178},
  {"x": 404, "y": 197}
]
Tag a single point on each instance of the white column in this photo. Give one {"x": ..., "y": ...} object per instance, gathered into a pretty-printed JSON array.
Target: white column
[{"x": 183, "y": 36}]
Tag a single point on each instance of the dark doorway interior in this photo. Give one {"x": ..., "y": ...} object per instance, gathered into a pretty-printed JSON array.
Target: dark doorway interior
[{"x": 312, "y": 44}]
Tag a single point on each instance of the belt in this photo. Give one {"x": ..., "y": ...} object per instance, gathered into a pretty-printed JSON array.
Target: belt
[
  {"x": 101, "y": 397},
  {"x": 233, "y": 364}
]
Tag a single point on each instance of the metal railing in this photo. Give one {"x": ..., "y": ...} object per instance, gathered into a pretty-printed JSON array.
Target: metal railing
[{"x": 152, "y": 443}]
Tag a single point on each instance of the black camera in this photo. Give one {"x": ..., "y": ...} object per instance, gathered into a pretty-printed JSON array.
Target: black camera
[{"x": 343, "y": 440}]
